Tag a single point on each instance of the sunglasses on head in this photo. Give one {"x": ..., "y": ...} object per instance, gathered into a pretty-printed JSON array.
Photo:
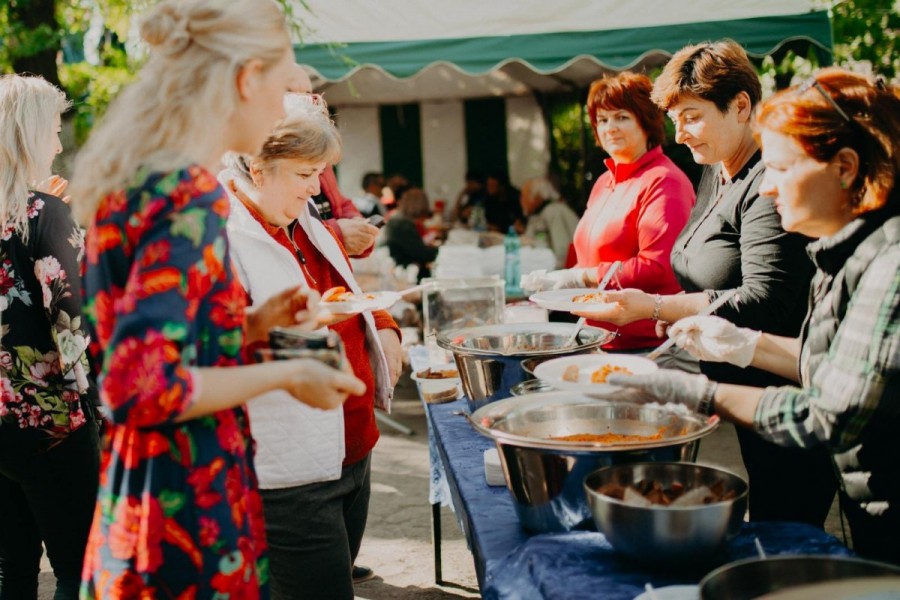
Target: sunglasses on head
[{"x": 813, "y": 83}]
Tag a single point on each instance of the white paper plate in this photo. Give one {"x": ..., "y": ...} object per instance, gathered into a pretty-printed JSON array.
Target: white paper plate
[
  {"x": 563, "y": 300},
  {"x": 672, "y": 592},
  {"x": 366, "y": 301},
  {"x": 552, "y": 371}
]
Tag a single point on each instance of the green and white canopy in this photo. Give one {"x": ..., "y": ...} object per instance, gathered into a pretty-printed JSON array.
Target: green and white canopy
[{"x": 394, "y": 51}]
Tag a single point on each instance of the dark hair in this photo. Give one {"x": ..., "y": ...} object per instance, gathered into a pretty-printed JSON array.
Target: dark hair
[
  {"x": 871, "y": 127},
  {"x": 475, "y": 176},
  {"x": 631, "y": 92},
  {"x": 414, "y": 203},
  {"x": 713, "y": 71},
  {"x": 370, "y": 178}
]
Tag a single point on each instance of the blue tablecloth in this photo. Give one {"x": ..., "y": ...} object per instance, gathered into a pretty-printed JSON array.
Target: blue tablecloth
[{"x": 512, "y": 563}]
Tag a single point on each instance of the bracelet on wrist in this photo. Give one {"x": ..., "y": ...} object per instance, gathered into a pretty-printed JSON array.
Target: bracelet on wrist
[
  {"x": 657, "y": 306},
  {"x": 706, "y": 405}
]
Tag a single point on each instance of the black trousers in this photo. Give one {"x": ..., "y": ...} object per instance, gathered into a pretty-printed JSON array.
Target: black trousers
[
  {"x": 314, "y": 533},
  {"x": 47, "y": 494},
  {"x": 787, "y": 484}
]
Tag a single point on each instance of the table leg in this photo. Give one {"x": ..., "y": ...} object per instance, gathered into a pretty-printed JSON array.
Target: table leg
[
  {"x": 393, "y": 424},
  {"x": 436, "y": 541}
]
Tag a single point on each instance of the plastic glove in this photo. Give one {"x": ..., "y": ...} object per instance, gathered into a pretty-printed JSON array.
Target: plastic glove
[
  {"x": 715, "y": 339},
  {"x": 554, "y": 280},
  {"x": 669, "y": 385},
  {"x": 536, "y": 281}
]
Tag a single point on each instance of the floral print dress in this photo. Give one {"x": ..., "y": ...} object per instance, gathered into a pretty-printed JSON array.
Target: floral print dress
[
  {"x": 178, "y": 512},
  {"x": 43, "y": 360}
]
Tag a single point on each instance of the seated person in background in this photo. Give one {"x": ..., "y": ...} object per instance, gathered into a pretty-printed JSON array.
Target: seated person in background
[
  {"x": 547, "y": 216},
  {"x": 501, "y": 203},
  {"x": 404, "y": 230},
  {"x": 395, "y": 185},
  {"x": 370, "y": 202},
  {"x": 471, "y": 195}
]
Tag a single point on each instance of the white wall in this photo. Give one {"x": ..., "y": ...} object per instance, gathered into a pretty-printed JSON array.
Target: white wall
[
  {"x": 527, "y": 140},
  {"x": 360, "y": 128},
  {"x": 443, "y": 145},
  {"x": 443, "y": 149}
]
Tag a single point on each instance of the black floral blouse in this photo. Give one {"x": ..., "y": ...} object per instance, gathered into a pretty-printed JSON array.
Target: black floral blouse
[{"x": 43, "y": 363}]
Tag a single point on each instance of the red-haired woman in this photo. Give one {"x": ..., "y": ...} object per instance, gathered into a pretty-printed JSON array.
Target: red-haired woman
[
  {"x": 636, "y": 209},
  {"x": 832, "y": 165}
]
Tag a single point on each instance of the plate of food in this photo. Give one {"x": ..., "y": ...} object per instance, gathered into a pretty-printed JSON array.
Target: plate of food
[
  {"x": 587, "y": 373},
  {"x": 341, "y": 301},
  {"x": 572, "y": 300}
]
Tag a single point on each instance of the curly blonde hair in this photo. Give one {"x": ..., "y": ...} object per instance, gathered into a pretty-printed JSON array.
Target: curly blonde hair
[{"x": 172, "y": 115}]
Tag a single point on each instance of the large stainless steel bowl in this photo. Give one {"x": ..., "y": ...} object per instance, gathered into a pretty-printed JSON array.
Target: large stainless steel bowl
[
  {"x": 667, "y": 536},
  {"x": 489, "y": 357},
  {"x": 545, "y": 476},
  {"x": 755, "y": 577}
]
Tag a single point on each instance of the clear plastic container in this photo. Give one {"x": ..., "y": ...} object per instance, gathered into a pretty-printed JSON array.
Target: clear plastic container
[{"x": 457, "y": 303}]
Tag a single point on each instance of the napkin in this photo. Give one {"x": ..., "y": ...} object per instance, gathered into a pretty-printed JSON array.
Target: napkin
[{"x": 493, "y": 472}]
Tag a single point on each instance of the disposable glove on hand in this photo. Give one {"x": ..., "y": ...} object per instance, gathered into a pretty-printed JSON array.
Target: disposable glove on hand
[
  {"x": 536, "y": 281},
  {"x": 715, "y": 339},
  {"x": 568, "y": 278},
  {"x": 669, "y": 385}
]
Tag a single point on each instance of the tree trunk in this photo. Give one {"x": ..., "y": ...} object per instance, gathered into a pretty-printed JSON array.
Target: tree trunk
[{"x": 32, "y": 14}]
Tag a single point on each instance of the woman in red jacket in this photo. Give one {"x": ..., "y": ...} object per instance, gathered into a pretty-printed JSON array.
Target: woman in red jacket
[
  {"x": 636, "y": 209},
  {"x": 314, "y": 467}
]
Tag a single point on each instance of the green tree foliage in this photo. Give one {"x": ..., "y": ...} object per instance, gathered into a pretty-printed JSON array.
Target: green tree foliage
[
  {"x": 868, "y": 30},
  {"x": 35, "y": 36}
]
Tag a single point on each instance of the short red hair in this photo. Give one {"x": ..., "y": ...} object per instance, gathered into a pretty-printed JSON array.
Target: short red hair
[
  {"x": 631, "y": 92},
  {"x": 873, "y": 109}
]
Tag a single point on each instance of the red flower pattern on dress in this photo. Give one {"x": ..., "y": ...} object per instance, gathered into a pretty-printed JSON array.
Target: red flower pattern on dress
[{"x": 153, "y": 289}]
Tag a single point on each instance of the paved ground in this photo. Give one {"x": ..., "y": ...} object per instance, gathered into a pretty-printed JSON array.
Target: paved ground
[{"x": 398, "y": 539}]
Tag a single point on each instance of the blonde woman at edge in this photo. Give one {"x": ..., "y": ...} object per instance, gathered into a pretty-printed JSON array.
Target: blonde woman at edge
[
  {"x": 49, "y": 447},
  {"x": 179, "y": 513}
]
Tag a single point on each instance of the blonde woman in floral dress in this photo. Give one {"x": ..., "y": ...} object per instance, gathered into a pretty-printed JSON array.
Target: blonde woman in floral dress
[
  {"x": 179, "y": 513},
  {"x": 49, "y": 451}
]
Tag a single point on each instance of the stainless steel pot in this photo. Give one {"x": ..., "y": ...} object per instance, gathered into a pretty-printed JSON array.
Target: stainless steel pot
[
  {"x": 545, "y": 476},
  {"x": 755, "y": 577},
  {"x": 489, "y": 357}
]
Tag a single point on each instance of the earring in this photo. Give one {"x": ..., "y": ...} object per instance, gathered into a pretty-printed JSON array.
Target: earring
[{"x": 843, "y": 184}]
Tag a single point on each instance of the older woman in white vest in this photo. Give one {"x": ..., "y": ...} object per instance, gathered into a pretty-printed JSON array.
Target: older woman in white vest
[{"x": 313, "y": 466}]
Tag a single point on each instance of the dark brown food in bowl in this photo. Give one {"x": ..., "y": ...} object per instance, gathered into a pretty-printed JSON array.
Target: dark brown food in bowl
[{"x": 664, "y": 495}]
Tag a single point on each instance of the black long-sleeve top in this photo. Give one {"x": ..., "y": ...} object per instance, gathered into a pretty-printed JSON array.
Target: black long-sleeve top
[{"x": 734, "y": 240}]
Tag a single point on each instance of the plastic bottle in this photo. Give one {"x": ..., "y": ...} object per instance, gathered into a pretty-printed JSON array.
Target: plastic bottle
[
  {"x": 511, "y": 266},
  {"x": 478, "y": 219}
]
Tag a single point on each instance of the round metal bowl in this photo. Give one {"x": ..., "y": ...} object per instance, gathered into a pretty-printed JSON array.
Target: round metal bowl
[
  {"x": 755, "y": 577},
  {"x": 545, "y": 476},
  {"x": 667, "y": 536},
  {"x": 489, "y": 357}
]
